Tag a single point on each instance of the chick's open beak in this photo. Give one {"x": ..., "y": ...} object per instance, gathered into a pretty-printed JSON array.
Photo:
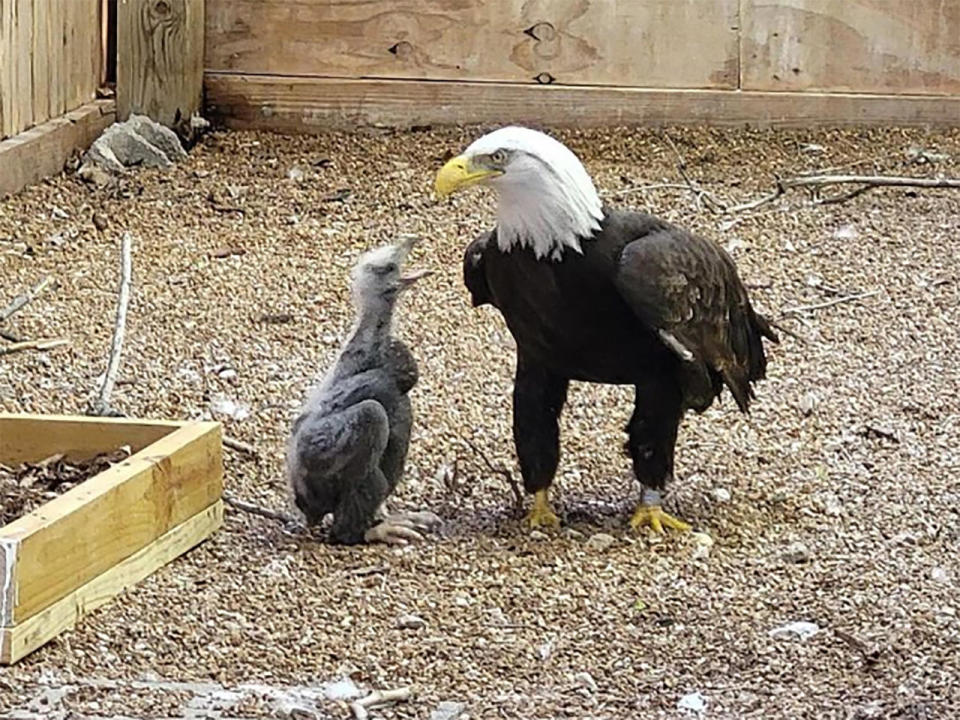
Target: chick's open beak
[
  {"x": 460, "y": 172},
  {"x": 409, "y": 278}
]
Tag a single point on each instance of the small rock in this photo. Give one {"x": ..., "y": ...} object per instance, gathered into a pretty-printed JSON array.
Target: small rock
[
  {"x": 573, "y": 534},
  {"x": 847, "y": 232},
  {"x": 546, "y": 650},
  {"x": 807, "y": 404},
  {"x": 694, "y": 702},
  {"x": 800, "y": 629},
  {"x": 585, "y": 680},
  {"x": 720, "y": 494},
  {"x": 812, "y": 148},
  {"x": 796, "y": 553},
  {"x": 600, "y": 542},
  {"x": 100, "y": 221},
  {"x": 94, "y": 175},
  {"x": 938, "y": 574},
  {"x": 538, "y": 535},
  {"x": 448, "y": 710},
  {"x": 702, "y": 545},
  {"x": 344, "y": 689},
  {"x": 201, "y": 174},
  {"x": 411, "y": 622},
  {"x": 227, "y": 374},
  {"x": 295, "y": 173},
  {"x": 59, "y": 213}
]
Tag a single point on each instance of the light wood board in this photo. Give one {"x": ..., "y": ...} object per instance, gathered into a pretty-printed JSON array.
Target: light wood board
[
  {"x": 654, "y": 43},
  {"x": 881, "y": 46},
  {"x": 92, "y": 527},
  {"x": 50, "y": 56},
  {"x": 24, "y": 638},
  {"x": 41, "y": 151},
  {"x": 312, "y": 104},
  {"x": 160, "y": 59}
]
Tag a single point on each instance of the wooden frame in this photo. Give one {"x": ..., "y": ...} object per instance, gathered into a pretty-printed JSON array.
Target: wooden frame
[
  {"x": 303, "y": 104},
  {"x": 78, "y": 551}
]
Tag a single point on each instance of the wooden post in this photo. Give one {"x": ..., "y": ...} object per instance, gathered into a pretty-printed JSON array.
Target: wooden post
[{"x": 160, "y": 59}]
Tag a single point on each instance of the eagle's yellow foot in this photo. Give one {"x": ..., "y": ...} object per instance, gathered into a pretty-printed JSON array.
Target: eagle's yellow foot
[
  {"x": 656, "y": 518},
  {"x": 541, "y": 515}
]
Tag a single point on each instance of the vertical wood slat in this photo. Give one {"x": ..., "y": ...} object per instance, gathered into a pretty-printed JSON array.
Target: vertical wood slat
[
  {"x": 49, "y": 59},
  {"x": 160, "y": 59}
]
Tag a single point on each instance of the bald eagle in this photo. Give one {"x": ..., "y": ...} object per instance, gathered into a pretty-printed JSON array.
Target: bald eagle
[{"x": 596, "y": 294}]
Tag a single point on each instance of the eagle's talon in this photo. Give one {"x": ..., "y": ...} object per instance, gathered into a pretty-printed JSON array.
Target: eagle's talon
[
  {"x": 656, "y": 518},
  {"x": 541, "y": 514}
]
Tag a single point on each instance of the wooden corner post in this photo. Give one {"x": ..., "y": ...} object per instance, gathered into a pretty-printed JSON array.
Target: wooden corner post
[{"x": 160, "y": 59}]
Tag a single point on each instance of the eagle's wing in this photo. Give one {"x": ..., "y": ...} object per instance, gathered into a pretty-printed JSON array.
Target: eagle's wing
[
  {"x": 687, "y": 290},
  {"x": 474, "y": 273}
]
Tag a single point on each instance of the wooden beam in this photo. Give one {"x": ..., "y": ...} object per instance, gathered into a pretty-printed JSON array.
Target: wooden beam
[
  {"x": 25, "y": 637},
  {"x": 160, "y": 59},
  {"x": 104, "y": 520},
  {"x": 42, "y": 151},
  {"x": 304, "y": 104},
  {"x": 30, "y": 438}
]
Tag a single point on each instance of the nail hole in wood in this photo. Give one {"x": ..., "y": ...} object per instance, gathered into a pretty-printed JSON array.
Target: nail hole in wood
[{"x": 544, "y": 78}]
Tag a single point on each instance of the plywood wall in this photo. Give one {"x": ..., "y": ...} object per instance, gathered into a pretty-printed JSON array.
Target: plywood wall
[
  {"x": 50, "y": 57},
  {"x": 864, "y": 46},
  {"x": 650, "y": 43}
]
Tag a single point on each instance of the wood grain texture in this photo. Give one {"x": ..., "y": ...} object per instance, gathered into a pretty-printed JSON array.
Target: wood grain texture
[
  {"x": 312, "y": 104},
  {"x": 877, "y": 46},
  {"x": 655, "y": 43},
  {"x": 49, "y": 60},
  {"x": 31, "y": 438},
  {"x": 18, "y": 641},
  {"x": 160, "y": 59},
  {"x": 41, "y": 151},
  {"x": 79, "y": 535}
]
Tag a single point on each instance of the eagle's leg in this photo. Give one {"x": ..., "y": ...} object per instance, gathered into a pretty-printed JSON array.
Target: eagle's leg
[
  {"x": 538, "y": 398},
  {"x": 652, "y": 437}
]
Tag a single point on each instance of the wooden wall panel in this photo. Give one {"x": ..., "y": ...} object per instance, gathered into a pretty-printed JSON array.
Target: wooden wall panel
[
  {"x": 876, "y": 46},
  {"x": 49, "y": 59},
  {"x": 653, "y": 43}
]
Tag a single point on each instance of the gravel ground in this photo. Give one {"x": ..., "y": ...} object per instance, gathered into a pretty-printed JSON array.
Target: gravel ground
[{"x": 834, "y": 504}]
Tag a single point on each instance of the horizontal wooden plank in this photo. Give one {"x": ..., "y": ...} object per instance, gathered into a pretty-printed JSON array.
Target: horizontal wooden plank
[
  {"x": 311, "y": 104},
  {"x": 30, "y": 438},
  {"x": 873, "y": 46},
  {"x": 18, "y": 641},
  {"x": 80, "y": 534},
  {"x": 599, "y": 42},
  {"x": 41, "y": 151}
]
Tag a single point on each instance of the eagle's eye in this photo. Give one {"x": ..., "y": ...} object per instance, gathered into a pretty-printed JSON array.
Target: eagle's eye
[{"x": 499, "y": 157}]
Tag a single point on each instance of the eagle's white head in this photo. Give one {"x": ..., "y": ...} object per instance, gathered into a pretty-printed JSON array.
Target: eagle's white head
[{"x": 547, "y": 200}]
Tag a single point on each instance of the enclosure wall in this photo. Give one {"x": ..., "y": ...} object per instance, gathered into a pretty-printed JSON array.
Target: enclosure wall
[
  {"x": 50, "y": 59},
  {"x": 289, "y": 62}
]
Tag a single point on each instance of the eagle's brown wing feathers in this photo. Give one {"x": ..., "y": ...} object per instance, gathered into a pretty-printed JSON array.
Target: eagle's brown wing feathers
[{"x": 686, "y": 288}]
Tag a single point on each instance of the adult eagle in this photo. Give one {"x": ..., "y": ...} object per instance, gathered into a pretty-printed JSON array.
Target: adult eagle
[{"x": 595, "y": 294}]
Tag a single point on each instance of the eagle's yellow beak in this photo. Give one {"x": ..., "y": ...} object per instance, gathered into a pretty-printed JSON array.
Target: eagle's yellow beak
[{"x": 458, "y": 173}]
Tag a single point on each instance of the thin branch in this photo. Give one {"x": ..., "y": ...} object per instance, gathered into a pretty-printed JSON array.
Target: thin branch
[
  {"x": 102, "y": 404},
  {"x": 508, "y": 476},
  {"x": 23, "y": 298},
  {"x": 378, "y": 698},
  {"x": 829, "y": 303},
  {"x": 240, "y": 446},
  {"x": 32, "y": 345},
  {"x": 253, "y": 509},
  {"x": 869, "y": 182},
  {"x": 787, "y": 331},
  {"x": 699, "y": 193}
]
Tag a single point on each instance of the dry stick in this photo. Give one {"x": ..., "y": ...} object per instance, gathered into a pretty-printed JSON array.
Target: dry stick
[
  {"x": 32, "y": 345},
  {"x": 240, "y": 446},
  {"x": 821, "y": 180},
  {"x": 517, "y": 494},
  {"x": 23, "y": 298},
  {"x": 829, "y": 303},
  {"x": 378, "y": 698},
  {"x": 248, "y": 507},
  {"x": 699, "y": 193},
  {"x": 102, "y": 404}
]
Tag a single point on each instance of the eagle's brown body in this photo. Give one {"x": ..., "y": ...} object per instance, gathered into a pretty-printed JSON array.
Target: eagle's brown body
[{"x": 641, "y": 297}]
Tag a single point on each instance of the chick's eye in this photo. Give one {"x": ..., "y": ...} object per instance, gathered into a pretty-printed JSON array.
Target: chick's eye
[
  {"x": 390, "y": 268},
  {"x": 499, "y": 157}
]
